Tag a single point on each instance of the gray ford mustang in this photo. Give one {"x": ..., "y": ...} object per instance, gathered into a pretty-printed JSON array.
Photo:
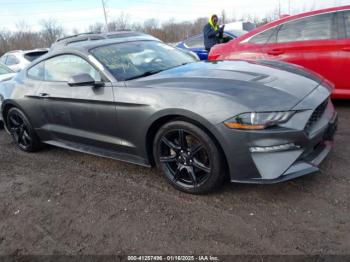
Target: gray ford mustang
[{"x": 141, "y": 101}]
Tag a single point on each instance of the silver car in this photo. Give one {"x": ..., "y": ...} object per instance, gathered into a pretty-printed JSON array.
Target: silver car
[{"x": 19, "y": 59}]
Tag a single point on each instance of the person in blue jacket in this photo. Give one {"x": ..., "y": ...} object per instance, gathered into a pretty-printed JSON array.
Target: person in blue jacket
[{"x": 212, "y": 33}]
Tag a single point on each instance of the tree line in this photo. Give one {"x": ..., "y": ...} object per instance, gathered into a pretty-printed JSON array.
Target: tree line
[{"x": 24, "y": 38}]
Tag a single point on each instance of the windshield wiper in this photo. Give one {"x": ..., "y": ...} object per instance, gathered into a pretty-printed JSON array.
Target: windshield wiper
[
  {"x": 147, "y": 73},
  {"x": 182, "y": 64}
]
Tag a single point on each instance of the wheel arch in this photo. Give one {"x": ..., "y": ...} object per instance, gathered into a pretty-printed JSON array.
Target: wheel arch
[
  {"x": 193, "y": 119},
  {"x": 5, "y": 108}
]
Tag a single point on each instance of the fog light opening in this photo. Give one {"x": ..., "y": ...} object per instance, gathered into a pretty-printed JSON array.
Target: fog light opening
[{"x": 277, "y": 148}]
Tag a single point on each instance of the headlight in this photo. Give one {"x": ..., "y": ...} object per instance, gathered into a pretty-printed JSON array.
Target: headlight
[{"x": 258, "y": 120}]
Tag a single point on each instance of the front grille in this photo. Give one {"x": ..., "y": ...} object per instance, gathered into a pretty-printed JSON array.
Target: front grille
[{"x": 316, "y": 115}]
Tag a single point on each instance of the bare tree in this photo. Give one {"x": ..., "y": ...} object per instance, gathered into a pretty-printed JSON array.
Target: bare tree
[
  {"x": 136, "y": 27},
  {"x": 22, "y": 26},
  {"x": 96, "y": 28},
  {"x": 21, "y": 39},
  {"x": 75, "y": 31},
  {"x": 120, "y": 23},
  {"x": 4, "y": 41},
  {"x": 151, "y": 25},
  {"x": 198, "y": 25},
  {"x": 169, "y": 31},
  {"x": 24, "y": 38},
  {"x": 51, "y": 31}
]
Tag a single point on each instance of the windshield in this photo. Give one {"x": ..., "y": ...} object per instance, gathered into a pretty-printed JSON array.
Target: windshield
[
  {"x": 132, "y": 60},
  {"x": 237, "y": 32},
  {"x": 5, "y": 70}
]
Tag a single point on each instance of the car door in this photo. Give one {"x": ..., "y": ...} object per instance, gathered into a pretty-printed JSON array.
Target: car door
[
  {"x": 310, "y": 42},
  {"x": 77, "y": 116},
  {"x": 342, "y": 81},
  {"x": 32, "y": 81}
]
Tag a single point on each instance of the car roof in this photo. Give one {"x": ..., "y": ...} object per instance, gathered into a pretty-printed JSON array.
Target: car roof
[
  {"x": 114, "y": 34},
  {"x": 86, "y": 45},
  {"x": 87, "y": 39},
  {"x": 290, "y": 18},
  {"x": 27, "y": 51}
]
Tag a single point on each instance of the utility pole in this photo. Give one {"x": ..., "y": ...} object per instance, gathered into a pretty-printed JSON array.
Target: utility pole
[
  {"x": 105, "y": 14},
  {"x": 279, "y": 9},
  {"x": 289, "y": 7}
]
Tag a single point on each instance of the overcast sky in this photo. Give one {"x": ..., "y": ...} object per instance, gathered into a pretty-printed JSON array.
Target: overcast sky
[{"x": 81, "y": 13}]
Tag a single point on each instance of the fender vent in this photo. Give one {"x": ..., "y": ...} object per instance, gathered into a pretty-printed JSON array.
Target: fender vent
[{"x": 316, "y": 115}]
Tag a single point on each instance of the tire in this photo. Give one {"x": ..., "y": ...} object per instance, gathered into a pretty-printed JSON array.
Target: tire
[
  {"x": 1, "y": 125},
  {"x": 189, "y": 158},
  {"x": 22, "y": 131}
]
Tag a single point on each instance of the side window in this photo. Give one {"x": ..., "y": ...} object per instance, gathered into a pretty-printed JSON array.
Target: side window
[
  {"x": 62, "y": 68},
  {"x": 11, "y": 60},
  {"x": 226, "y": 38},
  {"x": 36, "y": 72},
  {"x": 195, "y": 42},
  {"x": 319, "y": 27},
  {"x": 347, "y": 23},
  {"x": 3, "y": 59},
  {"x": 263, "y": 37},
  {"x": 4, "y": 70}
]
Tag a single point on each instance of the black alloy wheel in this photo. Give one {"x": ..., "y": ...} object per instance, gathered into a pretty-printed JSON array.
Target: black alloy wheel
[
  {"x": 21, "y": 130},
  {"x": 188, "y": 157}
]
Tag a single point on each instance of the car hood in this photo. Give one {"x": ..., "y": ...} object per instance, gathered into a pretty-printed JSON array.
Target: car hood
[{"x": 261, "y": 85}]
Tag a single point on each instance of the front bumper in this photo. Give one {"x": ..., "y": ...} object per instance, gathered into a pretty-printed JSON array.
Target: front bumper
[
  {"x": 313, "y": 144},
  {"x": 307, "y": 163}
]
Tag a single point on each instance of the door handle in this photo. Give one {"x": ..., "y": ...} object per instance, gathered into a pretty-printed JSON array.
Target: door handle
[
  {"x": 347, "y": 49},
  {"x": 44, "y": 95},
  {"x": 275, "y": 52}
]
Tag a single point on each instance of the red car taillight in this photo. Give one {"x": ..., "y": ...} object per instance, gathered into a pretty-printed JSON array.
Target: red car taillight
[{"x": 213, "y": 57}]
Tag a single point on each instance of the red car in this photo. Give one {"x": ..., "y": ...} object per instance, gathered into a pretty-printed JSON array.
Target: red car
[{"x": 317, "y": 40}]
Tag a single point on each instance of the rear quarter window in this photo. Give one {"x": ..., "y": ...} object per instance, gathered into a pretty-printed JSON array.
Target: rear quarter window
[
  {"x": 318, "y": 27},
  {"x": 347, "y": 23},
  {"x": 263, "y": 37},
  {"x": 11, "y": 60},
  {"x": 195, "y": 42}
]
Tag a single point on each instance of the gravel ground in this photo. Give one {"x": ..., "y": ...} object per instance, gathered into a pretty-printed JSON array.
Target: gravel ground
[{"x": 62, "y": 202}]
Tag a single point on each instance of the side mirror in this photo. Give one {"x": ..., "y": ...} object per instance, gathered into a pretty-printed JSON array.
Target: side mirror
[{"x": 84, "y": 80}]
